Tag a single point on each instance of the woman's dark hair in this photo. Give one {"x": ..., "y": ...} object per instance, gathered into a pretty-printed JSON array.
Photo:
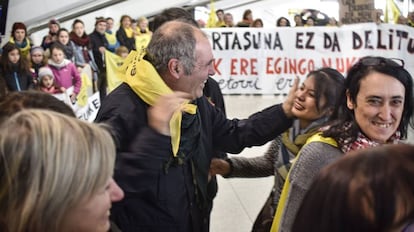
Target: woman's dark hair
[
  {"x": 173, "y": 13},
  {"x": 280, "y": 19},
  {"x": 62, "y": 29},
  {"x": 366, "y": 190},
  {"x": 122, "y": 19},
  {"x": 257, "y": 21},
  {"x": 57, "y": 46},
  {"x": 328, "y": 83},
  {"x": 358, "y": 72},
  {"x": 246, "y": 13},
  {"x": 7, "y": 66}
]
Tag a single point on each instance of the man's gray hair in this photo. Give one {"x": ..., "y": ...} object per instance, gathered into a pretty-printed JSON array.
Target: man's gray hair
[{"x": 173, "y": 40}]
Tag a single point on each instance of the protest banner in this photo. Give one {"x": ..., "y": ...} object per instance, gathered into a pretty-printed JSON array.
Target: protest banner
[{"x": 266, "y": 60}]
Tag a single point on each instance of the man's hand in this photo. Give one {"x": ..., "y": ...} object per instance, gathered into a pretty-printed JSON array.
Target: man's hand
[
  {"x": 159, "y": 115},
  {"x": 288, "y": 103}
]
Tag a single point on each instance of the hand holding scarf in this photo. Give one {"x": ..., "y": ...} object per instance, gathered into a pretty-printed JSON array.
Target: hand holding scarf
[{"x": 142, "y": 77}]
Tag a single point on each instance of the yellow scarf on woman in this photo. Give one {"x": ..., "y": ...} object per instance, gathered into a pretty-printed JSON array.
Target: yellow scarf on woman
[
  {"x": 23, "y": 47},
  {"x": 142, "y": 77}
]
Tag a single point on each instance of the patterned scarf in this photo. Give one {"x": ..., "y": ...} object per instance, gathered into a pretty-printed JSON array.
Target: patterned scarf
[
  {"x": 292, "y": 141},
  {"x": 83, "y": 42},
  {"x": 362, "y": 141}
]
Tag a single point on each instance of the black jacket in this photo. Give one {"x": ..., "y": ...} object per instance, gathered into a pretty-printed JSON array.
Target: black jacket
[
  {"x": 98, "y": 40},
  {"x": 124, "y": 40},
  {"x": 14, "y": 79},
  {"x": 160, "y": 195}
]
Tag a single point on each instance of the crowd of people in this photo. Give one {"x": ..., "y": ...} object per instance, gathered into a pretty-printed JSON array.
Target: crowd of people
[
  {"x": 306, "y": 18},
  {"x": 148, "y": 162},
  {"x": 67, "y": 53}
]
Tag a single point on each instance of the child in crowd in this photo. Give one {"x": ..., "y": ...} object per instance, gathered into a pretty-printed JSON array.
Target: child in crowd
[
  {"x": 47, "y": 83},
  {"x": 15, "y": 69},
  {"x": 122, "y": 51},
  {"x": 37, "y": 60},
  {"x": 65, "y": 72}
]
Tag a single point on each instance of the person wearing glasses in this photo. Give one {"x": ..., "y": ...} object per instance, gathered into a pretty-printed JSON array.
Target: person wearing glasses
[
  {"x": 376, "y": 108},
  {"x": 365, "y": 190}
]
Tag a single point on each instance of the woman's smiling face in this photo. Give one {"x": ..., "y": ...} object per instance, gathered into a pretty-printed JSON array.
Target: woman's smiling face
[
  {"x": 304, "y": 107},
  {"x": 379, "y": 106}
]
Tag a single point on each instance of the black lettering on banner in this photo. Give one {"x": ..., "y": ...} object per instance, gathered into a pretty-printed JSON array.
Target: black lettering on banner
[
  {"x": 385, "y": 41},
  {"x": 309, "y": 44},
  {"x": 331, "y": 42},
  {"x": 305, "y": 41},
  {"x": 239, "y": 84},
  {"x": 299, "y": 40},
  {"x": 273, "y": 42},
  {"x": 283, "y": 83},
  {"x": 356, "y": 41},
  {"x": 96, "y": 103},
  {"x": 248, "y": 40},
  {"x": 368, "y": 39}
]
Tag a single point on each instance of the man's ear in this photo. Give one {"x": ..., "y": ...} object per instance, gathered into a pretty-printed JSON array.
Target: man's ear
[
  {"x": 174, "y": 67},
  {"x": 349, "y": 102}
]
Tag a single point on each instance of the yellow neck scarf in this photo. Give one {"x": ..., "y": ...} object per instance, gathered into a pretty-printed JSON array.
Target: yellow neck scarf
[
  {"x": 111, "y": 38},
  {"x": 129, "y": 32},
  {"x": 24, "y": 50},
  {"x": 142, "y": 77}
]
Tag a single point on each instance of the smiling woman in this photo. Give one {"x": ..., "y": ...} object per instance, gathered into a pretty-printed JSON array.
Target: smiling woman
[
  {"x": 376, "y": 108},
  {"x": 314, "y": 102}
]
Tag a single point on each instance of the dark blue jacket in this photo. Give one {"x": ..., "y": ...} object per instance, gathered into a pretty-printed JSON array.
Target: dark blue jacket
[{"x": 17, "y": 81}]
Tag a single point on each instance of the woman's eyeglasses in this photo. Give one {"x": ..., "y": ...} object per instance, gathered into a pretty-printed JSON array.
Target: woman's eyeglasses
[{"x": 373, "y": 61}]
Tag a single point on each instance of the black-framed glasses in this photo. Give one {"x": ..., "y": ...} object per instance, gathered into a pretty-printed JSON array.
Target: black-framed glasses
[{"x": 377, "y": 60}]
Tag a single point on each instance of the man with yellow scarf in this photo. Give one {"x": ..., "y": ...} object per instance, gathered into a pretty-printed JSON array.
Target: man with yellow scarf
[{"x": 166, "y": 132}]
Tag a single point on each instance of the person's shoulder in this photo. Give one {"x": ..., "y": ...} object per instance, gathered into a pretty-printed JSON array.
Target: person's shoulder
[
  {"x": 122, "y": 96},
  {"x": 319, "y": 148},
  {"x": 122, "y": 103},
  {"x": 316, "y": 154},
  {"x": 311, "y": 159}
]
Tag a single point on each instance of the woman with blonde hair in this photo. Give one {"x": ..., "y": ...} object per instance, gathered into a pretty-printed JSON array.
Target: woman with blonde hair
[{"x": 55, "y": 173}]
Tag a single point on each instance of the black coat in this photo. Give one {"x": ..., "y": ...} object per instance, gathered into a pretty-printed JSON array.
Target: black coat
[
  {"x": 98, "y": 40},
  {"x": 24, "y": 79},
  {"x": 124, "y": 40},
  {"x": 160, "y": 199}
]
